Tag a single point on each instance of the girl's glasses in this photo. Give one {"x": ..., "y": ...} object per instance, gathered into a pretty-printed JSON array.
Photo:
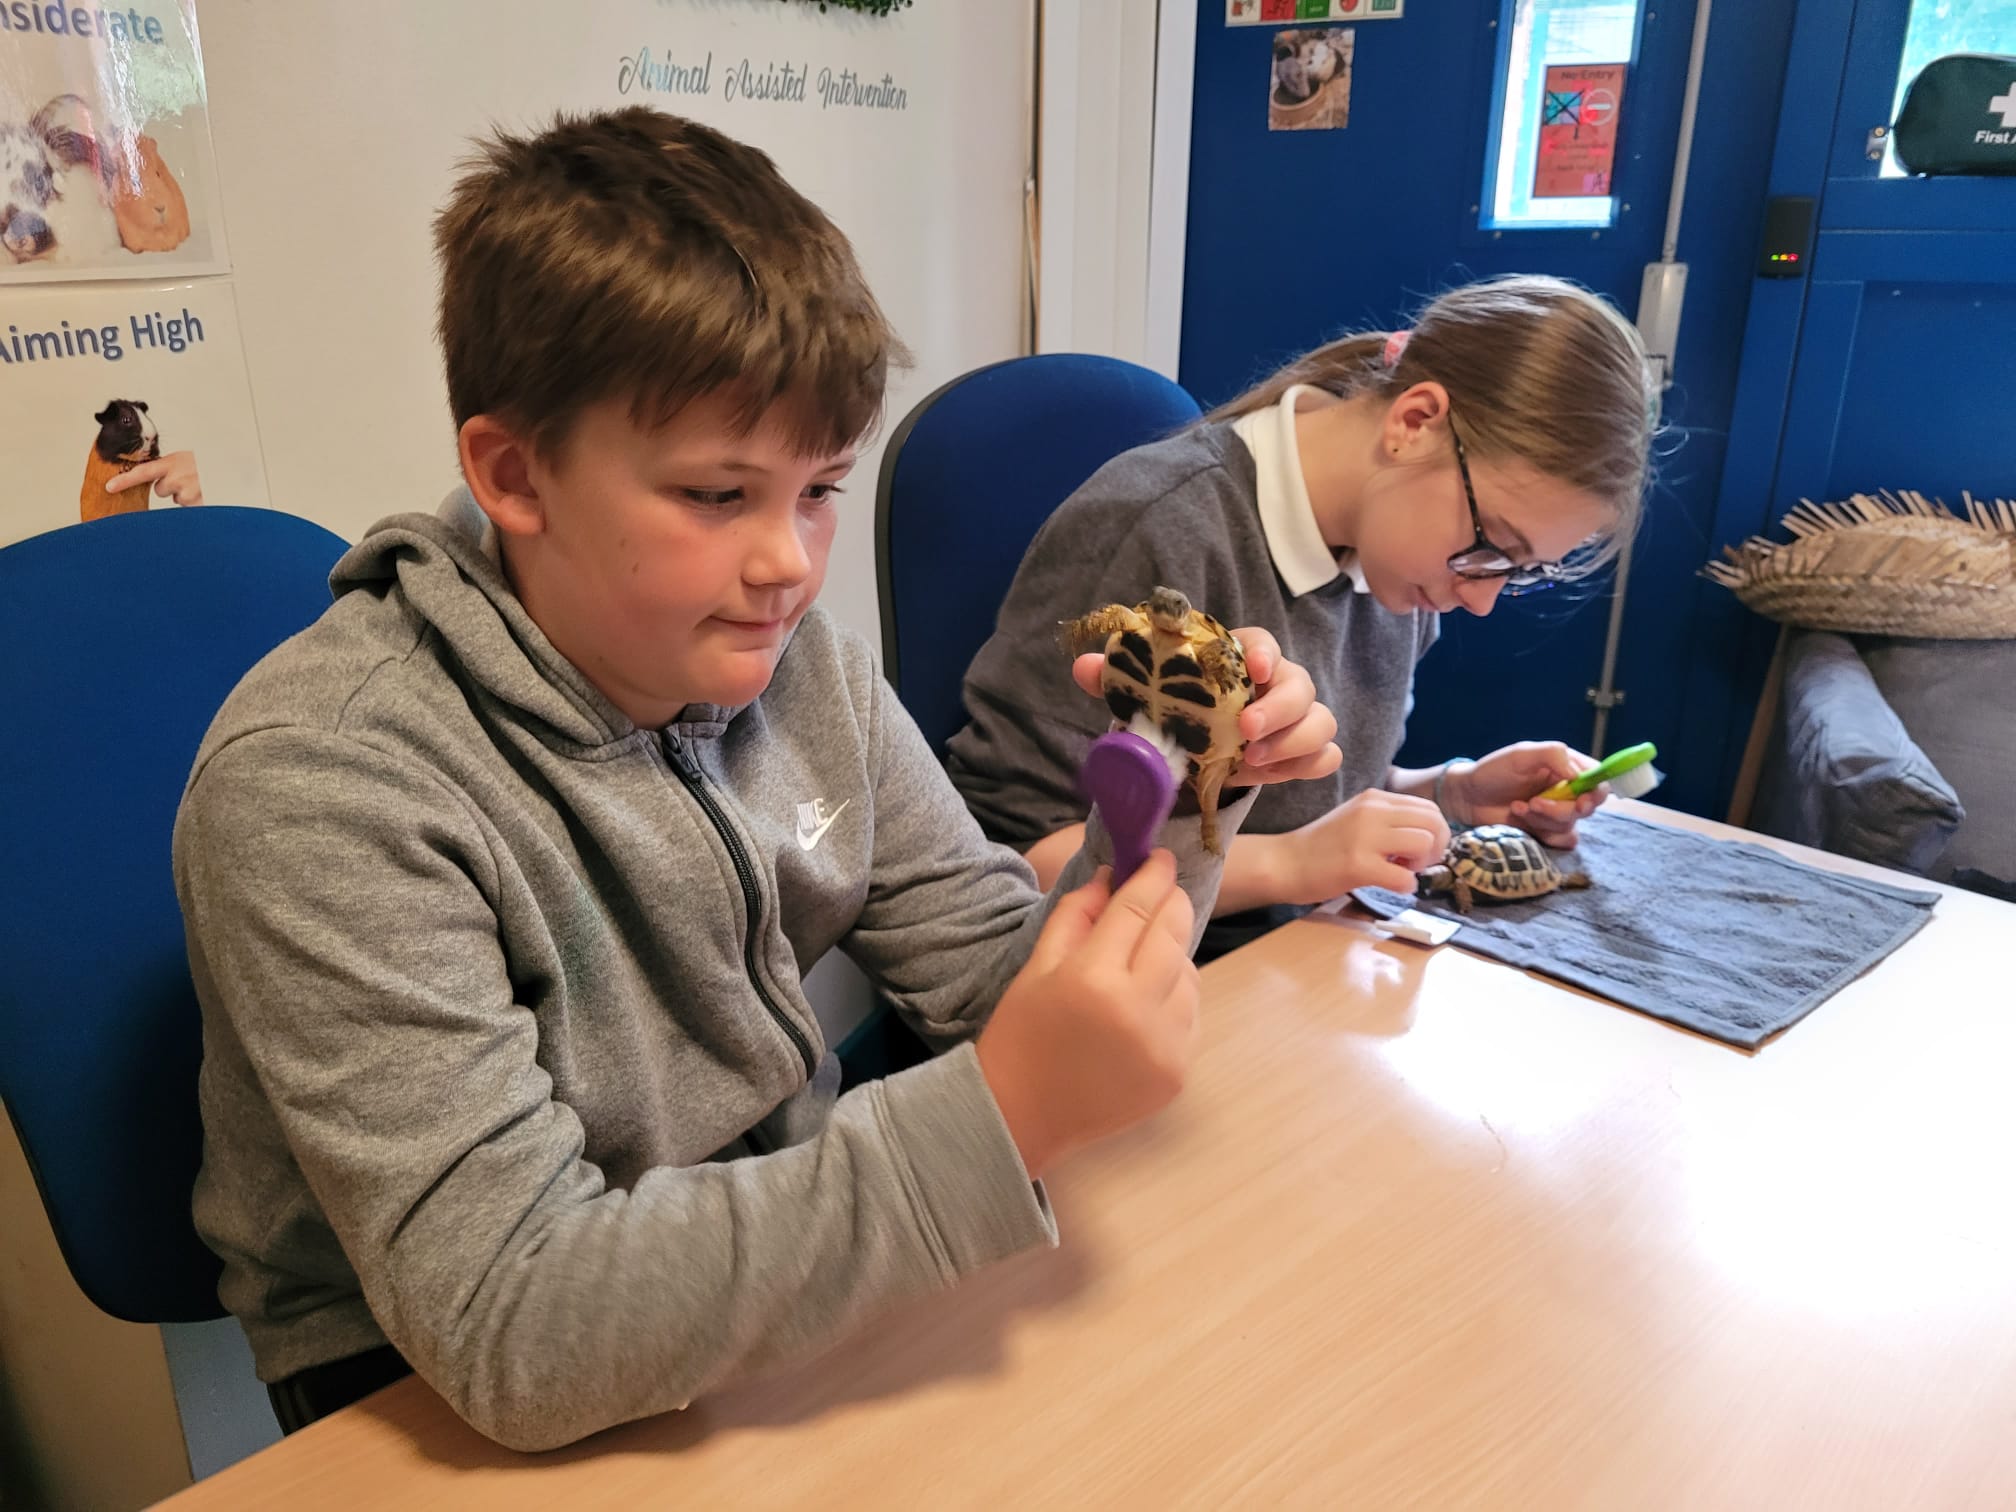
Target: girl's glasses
[{"x": 1482, "y": 559}]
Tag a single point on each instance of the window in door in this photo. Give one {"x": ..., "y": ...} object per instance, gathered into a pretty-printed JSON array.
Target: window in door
[
  {"x": 1940, "y": 27},
  {"x": 1549, "y": 142}
]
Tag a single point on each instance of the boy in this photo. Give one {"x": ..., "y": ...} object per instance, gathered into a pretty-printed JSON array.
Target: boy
[{"x": 496, "y": 894}]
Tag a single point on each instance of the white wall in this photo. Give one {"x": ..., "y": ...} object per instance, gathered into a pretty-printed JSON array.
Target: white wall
[{"x": 338, "y": 124}]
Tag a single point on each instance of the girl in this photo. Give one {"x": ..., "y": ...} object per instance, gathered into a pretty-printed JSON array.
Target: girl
[{"x": 1502, "y": 445}]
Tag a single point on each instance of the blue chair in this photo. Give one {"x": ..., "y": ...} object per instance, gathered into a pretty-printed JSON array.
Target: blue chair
[
  {"x": 123, "y": 637},
  {"x": 968, "y": 479}
]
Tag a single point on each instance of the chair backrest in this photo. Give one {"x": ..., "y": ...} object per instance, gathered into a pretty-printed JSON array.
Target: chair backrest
[
  {"x": 122, "y": 638},
  {"x": 967, "y": 480}
]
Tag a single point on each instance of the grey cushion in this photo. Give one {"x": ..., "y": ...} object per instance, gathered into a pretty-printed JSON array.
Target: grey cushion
[
  {"x": 1957, "y": 699},
  {"x": 1843, "y": 774}
]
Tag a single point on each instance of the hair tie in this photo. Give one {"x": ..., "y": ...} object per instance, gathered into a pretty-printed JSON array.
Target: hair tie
[{"x": 1395, "y": 345}]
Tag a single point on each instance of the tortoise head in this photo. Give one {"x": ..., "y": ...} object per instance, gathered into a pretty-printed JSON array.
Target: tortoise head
[{"x": 1168, "y": 610}]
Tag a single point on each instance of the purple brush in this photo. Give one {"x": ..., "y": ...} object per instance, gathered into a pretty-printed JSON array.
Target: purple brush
[{"x": 1130, "y": 781}]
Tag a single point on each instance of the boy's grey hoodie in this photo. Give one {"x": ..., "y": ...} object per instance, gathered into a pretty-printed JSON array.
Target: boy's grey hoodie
[{"x": 507, "y": 1055}]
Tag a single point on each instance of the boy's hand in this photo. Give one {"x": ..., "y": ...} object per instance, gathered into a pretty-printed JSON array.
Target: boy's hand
[
  {"x": 1289, "y": 734},
  {"x": 1098, "y": 1028},
  {"x": 1377, "y": 839},
  {"x": 1501, "y": 789}
]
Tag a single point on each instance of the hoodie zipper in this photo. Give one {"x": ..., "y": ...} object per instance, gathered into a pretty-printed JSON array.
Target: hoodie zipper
[{"x": 688, "y": 767}]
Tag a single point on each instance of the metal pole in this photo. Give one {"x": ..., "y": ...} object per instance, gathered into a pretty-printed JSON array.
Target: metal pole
[
  {"x": 1696, "y": 59},
  {"x": 1605, "y": 695}
]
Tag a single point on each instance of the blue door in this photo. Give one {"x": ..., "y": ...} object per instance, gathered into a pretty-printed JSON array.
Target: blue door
[
  {"x": 1294, "y": 235},
  {"x": 1892, "y": 364}
]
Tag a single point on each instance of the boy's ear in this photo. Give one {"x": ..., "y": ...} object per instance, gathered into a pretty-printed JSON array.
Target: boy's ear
[{"x": 498, "y": 466}]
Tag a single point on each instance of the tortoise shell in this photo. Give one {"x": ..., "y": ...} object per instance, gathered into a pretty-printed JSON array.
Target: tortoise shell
[
  {"x": 1177, "y": 675},
  {"x": 1500, "y": 862}
]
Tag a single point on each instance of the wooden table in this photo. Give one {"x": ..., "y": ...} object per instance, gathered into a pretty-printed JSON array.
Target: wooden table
[{"x": 1423, "y": 1231}]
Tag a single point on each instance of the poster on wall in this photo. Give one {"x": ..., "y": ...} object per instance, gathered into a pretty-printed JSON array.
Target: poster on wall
[
  {"x": 123, "y": 398},
  {"x": 1309, "y": 84},
  {"x": 1285, "y": 12},
  {"x": 106, "y": 165},
  {"x": 1579, "y": 107}
]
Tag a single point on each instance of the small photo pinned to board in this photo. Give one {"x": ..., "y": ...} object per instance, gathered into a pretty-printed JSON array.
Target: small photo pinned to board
[{"x": 1310, "y": 84}]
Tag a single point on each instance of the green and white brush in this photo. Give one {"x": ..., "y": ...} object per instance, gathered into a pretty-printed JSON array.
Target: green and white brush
[{"x": 1630, "y": 774}]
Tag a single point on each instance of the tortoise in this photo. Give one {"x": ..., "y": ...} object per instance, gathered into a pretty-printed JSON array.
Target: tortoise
[
  {"x": 1174, "y": 675},
  {"x": 1500, "y": 862}
]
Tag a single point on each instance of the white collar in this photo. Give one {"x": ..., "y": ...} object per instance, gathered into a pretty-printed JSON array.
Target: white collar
[{"x": 1301, "y": 555}]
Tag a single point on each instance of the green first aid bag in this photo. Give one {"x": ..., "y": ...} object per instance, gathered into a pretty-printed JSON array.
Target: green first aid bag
[{"x": 1959, "y": 116}]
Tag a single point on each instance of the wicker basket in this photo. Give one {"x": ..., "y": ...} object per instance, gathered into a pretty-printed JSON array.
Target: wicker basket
[{"x": 1888, "y": 565}]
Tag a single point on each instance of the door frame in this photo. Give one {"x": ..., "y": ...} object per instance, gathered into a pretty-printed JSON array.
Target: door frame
[
  {"x": 1726, "y": 681},
  {"x": 1113, "y": 176}
]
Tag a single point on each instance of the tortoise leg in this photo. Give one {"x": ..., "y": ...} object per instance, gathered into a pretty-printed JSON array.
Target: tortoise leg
[
  {"x": 1224, "y": 665},
  {"x": 1210, "y": 779},
  {"x": 1090, "y": 632},
  {"x": 1576, "y": 879},
  {"x": 1463, "y": 895}
]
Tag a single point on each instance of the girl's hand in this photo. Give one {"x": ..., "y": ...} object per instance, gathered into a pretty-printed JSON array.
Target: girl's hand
[
  {"x": 1377, "y": 839},
  {"x": 1504, "y": 788},
  {"x": 1289, "y": 735}
]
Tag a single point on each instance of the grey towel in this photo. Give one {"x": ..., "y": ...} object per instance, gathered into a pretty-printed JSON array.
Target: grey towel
[{"x": 1724, "y": 937}]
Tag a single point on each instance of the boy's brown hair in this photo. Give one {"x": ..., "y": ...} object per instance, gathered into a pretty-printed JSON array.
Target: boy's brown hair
[{"x": 639, "y": 256}]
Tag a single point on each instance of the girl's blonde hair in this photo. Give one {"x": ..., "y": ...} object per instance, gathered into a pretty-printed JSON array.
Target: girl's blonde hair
[{"x": 1540, "y": 370}]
